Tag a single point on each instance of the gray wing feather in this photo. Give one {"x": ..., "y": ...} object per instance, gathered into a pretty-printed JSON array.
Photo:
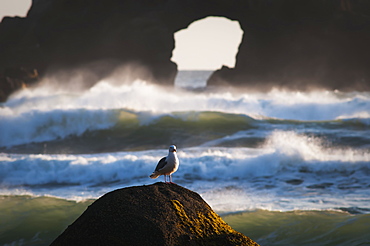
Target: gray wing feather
[{"x": 161, "y": 164}]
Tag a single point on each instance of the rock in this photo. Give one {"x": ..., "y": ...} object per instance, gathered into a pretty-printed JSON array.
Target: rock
[
  {"x": 14, "y": 79},
  {"x": 158, "y": 214},
  {"x": 302, "y": 45},
  {"x": 286, "y": 43}
]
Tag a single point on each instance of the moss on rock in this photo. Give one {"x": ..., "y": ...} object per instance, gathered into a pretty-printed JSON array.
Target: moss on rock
[
  {"x": 208, "y": 228},
  {"x": 158, "y": 214}
]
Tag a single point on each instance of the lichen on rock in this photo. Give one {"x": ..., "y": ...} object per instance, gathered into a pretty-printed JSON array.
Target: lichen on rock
[
  {"x": 199, "y": 225},
  {"x": 158, "y": 214}
]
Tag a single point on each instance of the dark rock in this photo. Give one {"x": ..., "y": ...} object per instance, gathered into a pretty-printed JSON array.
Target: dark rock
[
  {"x": 158, "y": 214},
  {"x": 287, "y": 43},
  {"x": 14, "y": 79},
  {"x": 302, "y": 45}
]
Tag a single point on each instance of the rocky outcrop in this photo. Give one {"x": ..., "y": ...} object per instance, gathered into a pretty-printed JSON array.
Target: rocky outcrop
[
  {"x": 158, "y": 214},
  {"x": 13, "y": 79},
  {"x": 296, "y": 44},
  {"x": 303, "y": 45}
]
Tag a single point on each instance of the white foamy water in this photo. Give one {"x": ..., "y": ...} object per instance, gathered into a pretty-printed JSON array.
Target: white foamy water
[
  {"x": 41, "y": 114},
  {"x": 283, "y": 175},
  {"x": 288, "y": 151}
]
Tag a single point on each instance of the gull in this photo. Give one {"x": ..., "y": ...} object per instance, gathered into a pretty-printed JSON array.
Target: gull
[{"x": 167, "y": 165}]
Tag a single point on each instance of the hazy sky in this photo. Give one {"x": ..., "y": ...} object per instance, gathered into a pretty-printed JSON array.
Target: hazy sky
[
  {"x": 206, "y": 44},
  {"x": 14, "y": 7}
]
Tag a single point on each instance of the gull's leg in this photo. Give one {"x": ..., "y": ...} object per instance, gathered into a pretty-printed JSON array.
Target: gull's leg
[
  {"x": 165, "y": 179},
  {"x": 171, "y": 179}
]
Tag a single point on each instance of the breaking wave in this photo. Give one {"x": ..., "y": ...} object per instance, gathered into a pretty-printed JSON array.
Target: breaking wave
[
  {"x": 286, "y": 161},
  {"x": 36, "y": 115}
]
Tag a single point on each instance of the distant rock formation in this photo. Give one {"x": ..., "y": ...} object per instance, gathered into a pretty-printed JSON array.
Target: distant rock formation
[
  {"x": 302, "y": 45},
  {"x": 294, "y": 44},
  {"x": 159, "y": 214},
  {"x": 14, "y": 78}
]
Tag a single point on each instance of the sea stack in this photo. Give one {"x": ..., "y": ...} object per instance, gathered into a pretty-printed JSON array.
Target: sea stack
[
  {"x": 158, "y": 214},
  {"x": 286, "y": 43}
]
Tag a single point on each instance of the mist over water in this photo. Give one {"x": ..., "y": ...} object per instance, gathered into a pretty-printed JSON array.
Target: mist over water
[
  {"x": 43, "y": 114},
  {"x": 280, "y": 151}
]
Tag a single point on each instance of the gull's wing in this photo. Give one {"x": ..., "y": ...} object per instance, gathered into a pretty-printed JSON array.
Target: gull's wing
[{"x": 161, "y": 164}]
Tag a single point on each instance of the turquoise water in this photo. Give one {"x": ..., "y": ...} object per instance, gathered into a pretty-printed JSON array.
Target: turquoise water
[
  {"x": 29, "y": 220},
  {"x": 303, "y": 227}
]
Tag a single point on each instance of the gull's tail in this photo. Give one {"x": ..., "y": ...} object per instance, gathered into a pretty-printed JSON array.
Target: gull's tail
[{"x": 154, "y": 175}]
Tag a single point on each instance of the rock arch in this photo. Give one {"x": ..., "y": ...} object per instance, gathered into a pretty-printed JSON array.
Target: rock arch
[{"x": 286, "y": 42}]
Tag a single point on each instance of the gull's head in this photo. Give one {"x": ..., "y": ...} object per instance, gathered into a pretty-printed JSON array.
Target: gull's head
[{"x": 172, "y": 148}]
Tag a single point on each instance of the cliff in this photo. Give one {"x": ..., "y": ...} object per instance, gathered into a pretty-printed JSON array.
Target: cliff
[
  {"x": 158, "y": 214},
  {"x": 291, "y": 43}
]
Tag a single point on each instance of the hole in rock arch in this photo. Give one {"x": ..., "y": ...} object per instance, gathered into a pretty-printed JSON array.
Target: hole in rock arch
[
  {"x": 14, "y": 8},
  {"x": 204, "y": 46}
]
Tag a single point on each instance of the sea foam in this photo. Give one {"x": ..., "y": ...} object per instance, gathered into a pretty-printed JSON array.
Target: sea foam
[
  {"x": 289, "y": 171},
  {"x": 36, "y": 115},
  {"x": 285, "y": 153}
]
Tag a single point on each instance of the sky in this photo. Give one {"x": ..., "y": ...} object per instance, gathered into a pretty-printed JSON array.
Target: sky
[
  {"x": 206, "y": 44},
  {"x": 14, "y": 7}
]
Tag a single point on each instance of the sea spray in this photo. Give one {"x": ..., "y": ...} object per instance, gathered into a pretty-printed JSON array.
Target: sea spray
[
  {"x": 33, "y": 115},
  {"x": 275, "y": 156},
  {"x": 41, "y": 126},
  {"x": 276, "y": 171}
]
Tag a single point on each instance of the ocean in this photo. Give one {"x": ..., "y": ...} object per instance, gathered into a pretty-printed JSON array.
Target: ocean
[{"x": 283, "y": 167}]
